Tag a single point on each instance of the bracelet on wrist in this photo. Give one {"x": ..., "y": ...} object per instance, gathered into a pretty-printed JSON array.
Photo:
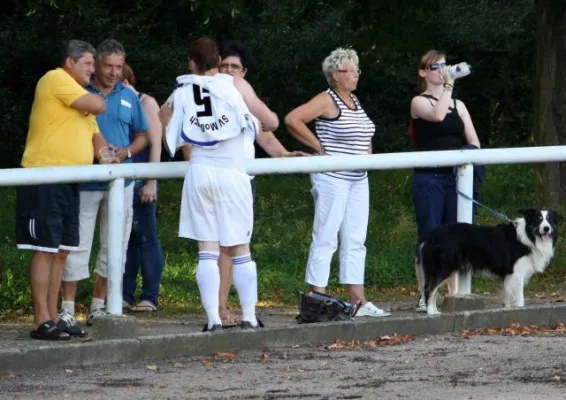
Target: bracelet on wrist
[{"x": 448, "y": 86}]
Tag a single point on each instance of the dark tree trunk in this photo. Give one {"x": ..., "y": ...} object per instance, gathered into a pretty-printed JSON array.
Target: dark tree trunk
[{"x": 549, "y": 106}]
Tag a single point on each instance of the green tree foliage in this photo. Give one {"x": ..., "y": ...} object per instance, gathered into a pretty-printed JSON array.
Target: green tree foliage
[{"x": 289, "y": 40}]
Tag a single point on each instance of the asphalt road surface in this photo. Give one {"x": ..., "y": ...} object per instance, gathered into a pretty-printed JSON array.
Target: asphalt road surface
[{"x": 429, "y": 367}]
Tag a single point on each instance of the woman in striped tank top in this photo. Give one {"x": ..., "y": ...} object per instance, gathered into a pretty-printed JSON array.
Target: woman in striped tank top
[{"x": 341, "y": 198}]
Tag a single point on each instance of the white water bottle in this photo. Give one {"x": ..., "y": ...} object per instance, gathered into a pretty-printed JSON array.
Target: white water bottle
[{"x": 459, "y": 70}]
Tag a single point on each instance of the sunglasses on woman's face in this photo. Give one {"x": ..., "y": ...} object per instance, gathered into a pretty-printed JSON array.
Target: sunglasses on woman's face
[{"x": 435, "y": 66}]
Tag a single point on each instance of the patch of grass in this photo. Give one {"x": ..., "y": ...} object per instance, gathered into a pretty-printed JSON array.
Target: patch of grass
[{"x": 282, "y": 236}]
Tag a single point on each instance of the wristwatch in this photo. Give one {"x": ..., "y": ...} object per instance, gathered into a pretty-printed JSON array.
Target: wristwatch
[{"x": 129, "y": 152}]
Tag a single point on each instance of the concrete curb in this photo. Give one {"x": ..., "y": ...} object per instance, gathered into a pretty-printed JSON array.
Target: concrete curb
[{"x": 170, "y": 346}]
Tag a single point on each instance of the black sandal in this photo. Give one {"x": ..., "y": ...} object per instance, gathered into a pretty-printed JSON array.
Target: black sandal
[
  {"x": 248, "y": 325},
  {"x": 215, "y": 328},
  {"x": 72, "y": 330},
  {"x": 49, "y": 331}
]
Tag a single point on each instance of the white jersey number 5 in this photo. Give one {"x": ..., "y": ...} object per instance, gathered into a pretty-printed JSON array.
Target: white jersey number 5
[{"x": 202, "y": 98}]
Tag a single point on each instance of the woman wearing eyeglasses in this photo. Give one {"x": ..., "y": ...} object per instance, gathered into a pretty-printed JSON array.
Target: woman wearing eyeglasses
[
  {"x": 438, "y": 122},
  {"x": 235, "y": 60},
  {"x": 341, "y": 199}
]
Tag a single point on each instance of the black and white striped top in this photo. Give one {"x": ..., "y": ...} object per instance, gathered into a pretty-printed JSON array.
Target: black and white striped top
[{"x": 350, "y": 132}]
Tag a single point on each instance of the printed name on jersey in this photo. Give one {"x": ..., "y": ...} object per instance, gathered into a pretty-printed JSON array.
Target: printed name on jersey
[{"x": 213, "y": 126}]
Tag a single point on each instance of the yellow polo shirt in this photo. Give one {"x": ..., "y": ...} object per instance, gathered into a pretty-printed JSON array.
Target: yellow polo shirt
[{"x": 58, "y": 134}]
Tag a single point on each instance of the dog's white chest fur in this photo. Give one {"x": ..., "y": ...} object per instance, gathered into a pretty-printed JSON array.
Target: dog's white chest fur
[
  {"x": 524, "y": 269},
  {"x": 542, "y": 251},
  {"x": 541, "y": 254}
]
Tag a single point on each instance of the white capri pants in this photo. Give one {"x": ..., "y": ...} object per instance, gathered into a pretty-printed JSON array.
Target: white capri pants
[
  {"x": 341, "y": 207},
  {"x": 92, "y": 201},
  {"x": 216, "y": 205}
]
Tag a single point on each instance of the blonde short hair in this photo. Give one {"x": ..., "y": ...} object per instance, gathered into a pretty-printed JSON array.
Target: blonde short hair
[{"x": 336, "y": 61}]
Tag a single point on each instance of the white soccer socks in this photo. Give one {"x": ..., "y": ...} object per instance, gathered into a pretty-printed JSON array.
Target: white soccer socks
[
  {"x": 245, "y": 280},
  {"x": 208, "y": 280}
]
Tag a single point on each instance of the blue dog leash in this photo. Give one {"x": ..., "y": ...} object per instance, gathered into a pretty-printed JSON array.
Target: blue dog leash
[{"x": 492, "y": 211}]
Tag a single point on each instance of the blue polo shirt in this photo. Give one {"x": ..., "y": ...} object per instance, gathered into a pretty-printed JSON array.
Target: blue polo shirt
[{"x": 123, "y": 119}]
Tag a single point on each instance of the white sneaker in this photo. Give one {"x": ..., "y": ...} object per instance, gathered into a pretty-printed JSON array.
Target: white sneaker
[
  {"x": 370, "y": 310},
  {"x": 421, "y": 305},
  {"x": 97, "y": 312},
  {"x": 66, "y": 316}
]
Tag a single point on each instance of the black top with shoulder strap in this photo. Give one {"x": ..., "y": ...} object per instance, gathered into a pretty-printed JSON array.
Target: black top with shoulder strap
[{"x": 447, "y": 134}]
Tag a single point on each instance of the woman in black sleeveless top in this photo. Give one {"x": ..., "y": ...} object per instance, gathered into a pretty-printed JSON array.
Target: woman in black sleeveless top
[{"x": 438, "y": 122}]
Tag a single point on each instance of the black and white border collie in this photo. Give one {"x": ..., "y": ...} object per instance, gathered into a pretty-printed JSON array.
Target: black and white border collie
[{"x": 512, "y": 252}]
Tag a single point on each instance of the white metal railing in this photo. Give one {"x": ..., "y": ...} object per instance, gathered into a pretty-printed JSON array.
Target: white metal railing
[{"x": 116, "y": 174}]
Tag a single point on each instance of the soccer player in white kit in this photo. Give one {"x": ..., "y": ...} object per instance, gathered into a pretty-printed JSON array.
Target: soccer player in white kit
[{"x": 213, "y": 112}]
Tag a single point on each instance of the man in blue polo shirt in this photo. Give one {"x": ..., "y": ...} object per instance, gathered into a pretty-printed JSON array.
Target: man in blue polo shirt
[{"x": 125, "y": 127}]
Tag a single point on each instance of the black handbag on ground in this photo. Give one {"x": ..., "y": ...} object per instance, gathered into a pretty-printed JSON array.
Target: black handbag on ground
[{"x": 320, "y": 307}]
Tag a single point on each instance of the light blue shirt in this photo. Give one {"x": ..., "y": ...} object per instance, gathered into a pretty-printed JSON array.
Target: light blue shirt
[{"x": 123, "y": 119}]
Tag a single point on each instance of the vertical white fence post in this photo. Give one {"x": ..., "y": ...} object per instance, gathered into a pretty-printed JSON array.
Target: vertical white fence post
[
  {"x": 465, "y": 185},
  {"x": 116, "y": 216}
]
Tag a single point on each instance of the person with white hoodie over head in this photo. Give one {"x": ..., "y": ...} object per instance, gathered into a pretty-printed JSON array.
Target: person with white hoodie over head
[{"x": 213, "y": 112}]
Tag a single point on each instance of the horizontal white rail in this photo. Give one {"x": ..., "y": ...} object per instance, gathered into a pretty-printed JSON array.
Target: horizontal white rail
[
  {"x": 265, "y": 166},
  {"x": 116, "y": 173}
]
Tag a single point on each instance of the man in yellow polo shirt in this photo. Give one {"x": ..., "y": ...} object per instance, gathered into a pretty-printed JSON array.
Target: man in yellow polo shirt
[{"x": 62, "y": 132}]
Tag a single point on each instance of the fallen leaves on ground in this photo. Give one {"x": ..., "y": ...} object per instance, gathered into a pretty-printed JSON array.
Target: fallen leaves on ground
[
  {"x": 515, "y": 330},
  {"x": 378, "y": 342},
  {"x": 264, "y": 356},
  {"x": 224, "y": 357}
]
